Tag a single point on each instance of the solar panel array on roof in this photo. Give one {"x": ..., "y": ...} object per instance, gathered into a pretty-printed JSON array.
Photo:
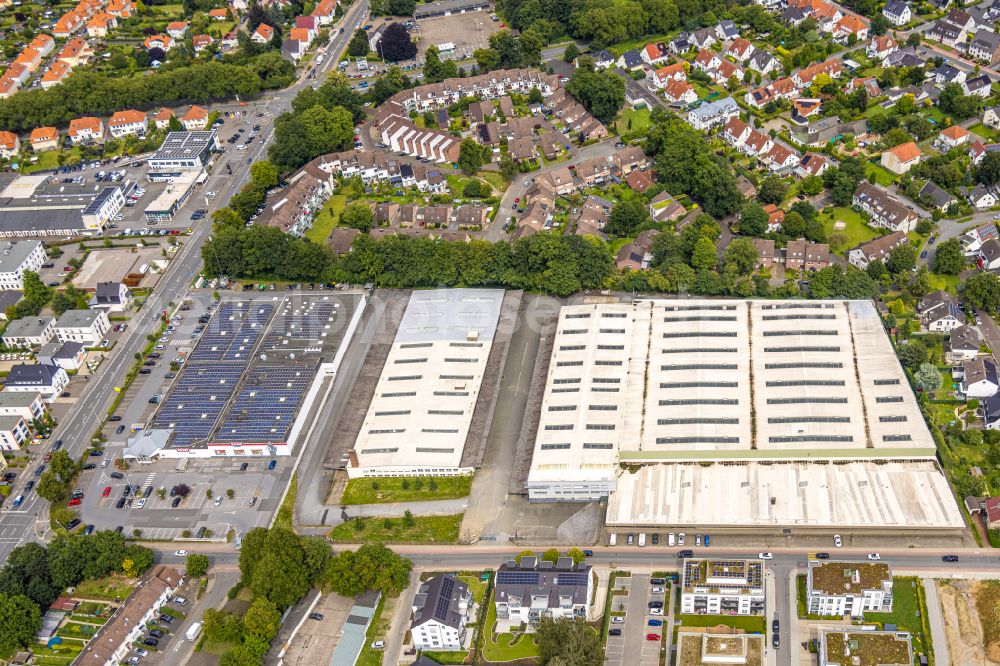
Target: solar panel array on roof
[
  {"x": 265, "y": 408},
  {"x": 444, "y": 600},
  {"x": 198, "y": 397},
  {"x": 297, "y": 323},
  {"x": 233, "y": 332},
  {"x": 517, "y": 578},
  {"x": 572, "y": 578}
]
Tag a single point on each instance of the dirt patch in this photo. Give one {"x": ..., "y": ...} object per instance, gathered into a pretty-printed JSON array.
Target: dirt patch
[
  {"x": 959, "y": 601},
  {"x": 467, "y": 32},
  {"x": 987, "y": 594}
]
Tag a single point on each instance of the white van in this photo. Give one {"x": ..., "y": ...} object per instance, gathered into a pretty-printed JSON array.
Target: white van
[
  {"x": 642, "y": 539},
  {"x": 671, "y": 540},
  {"x": 613, "y": 540}
]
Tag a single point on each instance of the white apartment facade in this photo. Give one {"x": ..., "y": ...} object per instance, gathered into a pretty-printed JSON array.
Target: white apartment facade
[
  {"x": 86, "y": 326},
  {"x": 722, "y": 587},
  {"x": 848, "y": 588},
  {"x": 16, "y": 257}
]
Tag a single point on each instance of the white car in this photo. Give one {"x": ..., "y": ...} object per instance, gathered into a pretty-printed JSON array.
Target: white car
[
  {"x": 180, "y": 553},
  {"x": 242, "y": 146},
  {"x": 874, "y": 557},
  {"x": 765, "y": 556},
  {"x": 378, "y": 645},
  {"x": 210, "y": 195},
  {"x": 617, "y": 619},
  {"x": 836, "y": 541},
  {"x": 104, "y": 463},
  {"x": 680, "y": 539},
  {"x": 656, "y": 611},
  {"x": 141, "y": 503},
  {"x": 658, "y": 590},
  {"x": 218, "y": 500}
]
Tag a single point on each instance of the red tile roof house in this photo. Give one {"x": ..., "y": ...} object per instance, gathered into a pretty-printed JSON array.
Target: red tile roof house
[
  {"x": 44, "y": 138},
  {"x": 201, "y": 42},
  {"x": 952, "y": 137},
  {"x": 85, "y": 130},
  {"x": 162, "y": 118},
  {"x": 10, "y": 144},
  {"x": 127, "y": 122},
  {"x": 665, "y": 75},
  {"x": 195, "y": 119},
  {"x": 263, "y": 34},
  {"x": 775, "y": 216},
  {"x": 177, "y": 29}
]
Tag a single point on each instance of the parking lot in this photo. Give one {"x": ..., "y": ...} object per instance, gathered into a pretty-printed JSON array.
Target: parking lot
[{"x": 633, "y": 646}]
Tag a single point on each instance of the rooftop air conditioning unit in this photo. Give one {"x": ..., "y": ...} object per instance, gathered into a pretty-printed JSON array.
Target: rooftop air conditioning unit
[{"x": 472, "y": 336}]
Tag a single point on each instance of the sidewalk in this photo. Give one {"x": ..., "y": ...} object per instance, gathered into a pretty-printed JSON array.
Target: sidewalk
[{"x": 938, "y": 637}]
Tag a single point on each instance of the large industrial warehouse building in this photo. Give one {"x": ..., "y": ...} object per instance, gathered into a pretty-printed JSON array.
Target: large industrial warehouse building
[{"x": 729, "y": 412}]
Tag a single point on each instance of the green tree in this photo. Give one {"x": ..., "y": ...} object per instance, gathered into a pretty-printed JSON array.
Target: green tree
[
  {"x": 435, "y": 69},
  {"x": 626, "y": 217},
  {"x": 566, "y": 641},
  {"x": 601, "y": 93},
  {"x": 772, "y": 190},
  {"x": 20, "y": 620},
  {"x": 927, "y": 377},
  {"x": 221, "y": 626},
  {"x": 982, "y": 290},
  {"x": 197, "y": 564},
  {"x": 69, "y": 298},
  {"x": 577, "y": 555},
  {"x": 902, "y": 259},
  {"x": 262, "y": 619},
  {"x": 63, "y": 465},
  {"x": 264, "y": 174},
  {"x": 357, "y": 215},
  {"x": 358, "y": 46},
  {"x": 704, "y": 255},
  {"x": 571, "y": 52},
  {"x": 988, "y": 172},
  {"x": 50, "y": 487},
  {"x": 328, "y": 130},
  {"x": 753, "y": 219},
  {"x": 912, "y": 354},
  {"x": 508, "y": 167},
  {"x": 471, "y": 156},
  {"x": 35, "y": 291},
  {"x": 551, "y": 555},
  {"x": 741, "y": 254},
  {"x": 949, "y": 260},
  {"x": 396, "y": 44}
]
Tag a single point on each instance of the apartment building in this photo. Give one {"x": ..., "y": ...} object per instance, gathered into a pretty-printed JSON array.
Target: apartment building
[
  {"x": 840, "y": 588},
  {"x": 526, "y": 592},
  {"x": 440, "y": 612},
  {"x": 722, "y": 587},
  {"x": 883, "y": 209},
  {"x": 86, "y": 326}
]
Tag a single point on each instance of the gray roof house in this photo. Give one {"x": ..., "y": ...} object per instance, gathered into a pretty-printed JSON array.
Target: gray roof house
[
  {"x": 440, "y": 613},
  {"x": 962, "y": 345},
  {"x": 939, "y": 312},
  {"x": 941, "y": 198},
  {"x": 532, "y": 589}
]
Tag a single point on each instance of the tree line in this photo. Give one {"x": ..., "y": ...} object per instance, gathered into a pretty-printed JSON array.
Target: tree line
[
  {"x": 34, "y": 575},
  {"x": 91, "y": 93}
]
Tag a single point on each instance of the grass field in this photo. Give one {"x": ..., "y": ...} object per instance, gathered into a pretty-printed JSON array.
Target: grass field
[
  {"x": 749, "y": 623},
  {"x": 327, "y": 218},
  {"x": 984, "y": 131},
  {"x": 639, "y": 118},
  {"x": 447, "y": 658},
  {"x": 495, "y": 180},
  {"x": 882, "y": 175},
  {"x": 380, "y": 491},
  {"x": 855, "y": 233},
  {"x": 905, "y": 610},
  {"x": 50, "y": 160},
  {"x": 111, "y": 587},
  {"x": 425, "y": 529},
  {"x": 987, "y": 595},
  {"x": 947, "y": 282},
  {"x": 287, "y": 508}
]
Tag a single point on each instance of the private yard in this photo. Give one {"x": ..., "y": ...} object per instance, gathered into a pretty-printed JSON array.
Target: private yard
[
  {"x": 855, "y": 231},
  {"x": 985, "y": 132},
  {"x": 909, "y": 611},
  {"x": 882, "y": 175},
  {"x": 866, "y": 649},
  {"x": 633, "y": 121},
  {"x": 424, "y": 529},
  {"x": 947, "y": 282},
  {"x": 504, "y": 647},
  {"x": 111, "y": 587},
  {"x": 57, "y": 655},
  {"x": 327, "y": 219},
  {"x": 380, "y": 491},
  {"x": 751, "y": 624},
  {"x": 447, "y": 658},
  {"x": 49, "y": 160}
]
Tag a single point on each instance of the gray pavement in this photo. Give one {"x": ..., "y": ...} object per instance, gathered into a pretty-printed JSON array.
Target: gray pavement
[{"x": 939, "y": 638}]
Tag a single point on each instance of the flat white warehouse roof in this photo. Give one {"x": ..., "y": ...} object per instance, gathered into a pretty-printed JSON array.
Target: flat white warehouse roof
[
  {"x": 910, "y": 494},
  {"x": 419, "y": 417}
]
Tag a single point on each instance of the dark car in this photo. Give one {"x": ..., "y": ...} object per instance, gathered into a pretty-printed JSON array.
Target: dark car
[
  {"x": 155, "y": 355},
  {"x": 588, "y": 553},
  {"x": 145, "y": 371},
  {"x": 149, "y": 491},
  {"x": 39, "y": 470},
  {"x": 120, "y": 503},
  {"x": 151, "y": 642},
  {"x": 96, "y": 453},
  {"x": 149, "y": 364},
  {"x": 29, "y": 485},
  {"x": 90, "y": 466},
  {"x": 822, "y": 556},
  {"x": 126, "y": 491},
  {"x": 243, "y": 467},
  {"x": 166, "y": 619},
  {"x": 57, "y": 445},
  {"x": 118, "y": 475},
  {"x": 120, "y": 529},
  {"x": 614, "y": 632},
  {"x": 115, "y": 418},
  {"x": 119, "y": 430},
  {"x": 685, "y": 553},
  {"x": 73, "y": 524},
  {"x": 89, "y": 529},
  {"x": 10, "y": 476},
  {"x": 950, "y": 558},
  {"x": 176, "y": 503},
  {"x": 315, "y": 616},
  {"x": 156, "y": 633},
  {"x": 271, "y": 464}
]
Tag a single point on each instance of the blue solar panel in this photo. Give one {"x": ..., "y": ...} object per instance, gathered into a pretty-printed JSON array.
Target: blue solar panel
[
  {"x": 572, "y": 579},
  {"x": 266, "y": 405},
  {"x": 517, "y": 578}
]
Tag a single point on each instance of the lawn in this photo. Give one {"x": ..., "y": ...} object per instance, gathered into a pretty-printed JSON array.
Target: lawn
[
  {"x": 855, "y": 233},
  {"x": 285, "y": 511},
  {"x": 447, "y": 657},
  {"x": 987, "y": 594},
  {"x": 380, "y": 491},
  {"x": 947, "y": 282},
  {"x": 905, "y": 610},
  {"x": 326, "y": 219},
  {"x": 425, "y": 529},
  {"x": 494, "y": 179},
  {"x": 50, "y": 160},
  {"x": 639, "y": 119},
  {"x": 111, "y": 587},
  {"x": 882, "y": 175},
  {"x": 58, "y": 655},
  {"x": 504, "y": 647},
  {"x": 984, "y": 131},
  {"x": 752, "y": 624}
]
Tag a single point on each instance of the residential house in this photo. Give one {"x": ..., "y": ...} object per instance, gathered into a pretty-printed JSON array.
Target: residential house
[
  {"x": 526, "y": 592},
  {"x": 440, "y": 613},
  {"x": 128, "y": 122},
  {"x": 981, "y": 197},
  {"x": 706, "y": 61},
  {"x": 850, "y": 26},
  {"x": 593, "y": 215},
  {"x": 29, "y": 406},
  {"x": 263, "y": 34},
  {"x": 803, "y": 255},
  {"x": 75, "y": 53},
  {"x": 55, "y": 74},
  {"x": 839, "y": 588},
  {"x": 962, "y": 345},
  {"x": 952, "y": 137},
  {"x": 111, "y": 296},
  {"x": 680, "y": 93},
  {"x": 703, "y": 38},
  {"x": 602, "y": 60},
  {"x": 939, "y": 197},
  {"x": 883, "y": 209},
  {"x": 946, "y": 73},
  {"x": 100, "y": 25},
  {"x": 488, "y": 134},
  {"x": 775, "y": 216},
  {"x": 637, "y": 254},
  {"x": 86, "y": 326},
  {"x": 10, "y": 144},
  {"x": 473, "y": 216},
  {"x": 740, "y": 49},
  {"x": 735, "y": 132},
  {"x": 478, "y": 111},
  {"x": 653, "y": 55},
  {"x": 985, "y": 46},
  {"x": 550, "y": 144},
  {"x": 66, "y": 355},
  {"x": 713, "y": 114},
  {"x": 979, "y": 86},
  {"x": 43, "y": 43},
  {"x": 939, "y": 312},
  {"x": 13, "y": 433},
  {"x": 962, "y": 19},
  {"x": 44, "y": 138},
  {"x": 765, "y": 252},
  {"x": 978, "y": 379},
  {"x": 219, "y": 14},
  {"x": 727, "y": 69},
  {"x": 628, "y": 159},
  {"x": 726, "y": 30},
  {"x": 631, "y": 60},
  {"x": 804, "y": 108},
  {"x": 664, "y": 208},
  {"x": 897, "y": 12},
  {"x": 906, "y": 57},
  {"x": 757, "y": 144},
  {"x": 521, "y": 150},
  {"x": 869, "y": 83},
  {"x": 878, "y": 249},
  {"x": 669, "y": 74},
  {"x": 812, "y": 164},
  {"x": 560, "y": 180},
  {"x": 177, "y": 29},
  {"x": 593, "y": 172},
  {"x": 162, "y": 118},
  {"x": 900, "y": 159},
  {"x": 639, "y": 181},
  {"x": 29, "y": 58},
  {"x": 29, "y": 332},
  {"x": 763, "y": 62},
  {"x": 85, "y": 130},
  {"x": 48, "y": 380},
  {"x": 780, "y": 158},
  {"x": 201, "y": 42},
  {"x": 163, "y": 42},
  {"x": 947, "y": 33},
  {"x": 195, "y": 119},
  {"x": 881, "y": 47},
  {"x": 722, "y": 587},
  {"x": 989, "y": 255}
]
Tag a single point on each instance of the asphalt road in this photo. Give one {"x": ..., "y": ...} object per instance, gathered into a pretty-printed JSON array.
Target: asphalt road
[{"x": 77, "y": 428}]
